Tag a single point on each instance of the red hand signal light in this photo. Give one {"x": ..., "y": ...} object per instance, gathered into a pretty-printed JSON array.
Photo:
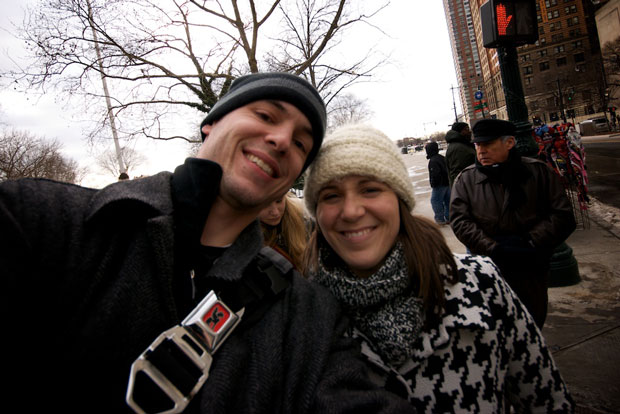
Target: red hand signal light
[{"x": 502, "y": 19}]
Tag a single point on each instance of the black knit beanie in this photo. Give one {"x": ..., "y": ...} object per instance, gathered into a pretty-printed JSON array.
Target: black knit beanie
[
  {"x": 275, "y": 85},
  {"x": 459, "y": 126}
]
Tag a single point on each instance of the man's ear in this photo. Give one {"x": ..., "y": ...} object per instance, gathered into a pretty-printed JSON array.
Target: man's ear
[
  {"x": 511, "y": 142},
  {"x": 206, "y": 129}
]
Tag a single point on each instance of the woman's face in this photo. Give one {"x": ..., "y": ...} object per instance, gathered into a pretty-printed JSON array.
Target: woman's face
[
  {"x": 273, "y": 213},
  {"x": 359, "y": 218}
]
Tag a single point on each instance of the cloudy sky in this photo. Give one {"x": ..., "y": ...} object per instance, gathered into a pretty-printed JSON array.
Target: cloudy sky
[{"x": 411, "y": 95}]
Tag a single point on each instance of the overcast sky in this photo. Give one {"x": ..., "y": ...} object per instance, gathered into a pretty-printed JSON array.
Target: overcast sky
[{"x": 412, "y": 96}]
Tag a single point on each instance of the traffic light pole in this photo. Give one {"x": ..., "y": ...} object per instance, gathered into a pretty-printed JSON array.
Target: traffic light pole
[{"x": 515, "y": 100}]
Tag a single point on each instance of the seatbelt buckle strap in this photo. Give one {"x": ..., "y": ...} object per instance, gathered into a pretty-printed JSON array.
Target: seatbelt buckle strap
[{"x": 171, "y": 371}]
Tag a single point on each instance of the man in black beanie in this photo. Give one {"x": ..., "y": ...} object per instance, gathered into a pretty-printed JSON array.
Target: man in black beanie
[
  {"x": 157, "y": 293},
  {"x": 460, "y": 152},
  {"x": 513, "y": 209}
]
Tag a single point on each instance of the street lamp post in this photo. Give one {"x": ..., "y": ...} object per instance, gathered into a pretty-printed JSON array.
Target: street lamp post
[{"x": 515, "y": 99}]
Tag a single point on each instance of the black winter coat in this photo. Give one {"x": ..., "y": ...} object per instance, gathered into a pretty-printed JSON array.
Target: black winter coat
[
  {"x": 438, "y": 171},
  {"x": 460, "y": 154},
  {"x": 90, "y": 279}
]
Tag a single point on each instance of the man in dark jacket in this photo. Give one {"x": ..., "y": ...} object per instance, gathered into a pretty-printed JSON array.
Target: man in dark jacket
[
  {"x": 438, "y": 177},
  {"x": 513, "y": 209},
  {"x": 93, "y": 277},
  {"x": 460, "y": 152}
]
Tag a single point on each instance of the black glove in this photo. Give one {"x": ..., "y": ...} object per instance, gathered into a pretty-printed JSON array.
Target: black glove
[{"x": 514, "y": 251}]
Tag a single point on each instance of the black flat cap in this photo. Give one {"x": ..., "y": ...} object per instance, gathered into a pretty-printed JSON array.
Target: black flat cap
[{"x": 490, "y": 129}]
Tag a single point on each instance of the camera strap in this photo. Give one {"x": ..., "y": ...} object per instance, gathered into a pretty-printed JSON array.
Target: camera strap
[{"x": 171, "y": 371}]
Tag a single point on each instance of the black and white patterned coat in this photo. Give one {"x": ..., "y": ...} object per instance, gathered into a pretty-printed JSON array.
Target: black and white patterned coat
[{"x": 485, "y": 347}]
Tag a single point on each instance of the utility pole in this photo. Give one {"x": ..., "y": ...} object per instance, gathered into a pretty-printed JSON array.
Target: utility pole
[
  {"x": 561, "y": 98},
  {"x": 119, "y": 157},
  {"x": 427, "y": 123},
  {"x": 456, "y": 117}
]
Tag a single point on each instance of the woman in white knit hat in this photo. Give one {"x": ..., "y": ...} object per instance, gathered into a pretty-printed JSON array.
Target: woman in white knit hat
[{"x": 443, "y": 330}]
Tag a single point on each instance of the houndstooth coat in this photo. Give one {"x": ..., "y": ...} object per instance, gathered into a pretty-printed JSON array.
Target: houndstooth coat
[{"x": 485, "y": 348}]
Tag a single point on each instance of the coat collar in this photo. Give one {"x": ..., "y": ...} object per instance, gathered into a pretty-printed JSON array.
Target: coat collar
[
  {"x": 151, "y": 193},
  {"x": 465, "y": 306}
]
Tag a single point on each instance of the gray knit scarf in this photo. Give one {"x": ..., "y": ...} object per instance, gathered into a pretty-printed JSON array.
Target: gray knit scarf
[{"x": 383, "y": 307}]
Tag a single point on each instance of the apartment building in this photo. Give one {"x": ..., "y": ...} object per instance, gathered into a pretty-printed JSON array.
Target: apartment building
[
  {"x": 561, "y": 73},
  {"x": 465, "y": 52}
]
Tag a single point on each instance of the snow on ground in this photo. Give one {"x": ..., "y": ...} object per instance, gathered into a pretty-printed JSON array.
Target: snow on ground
[{"x": 605, "y": 215}]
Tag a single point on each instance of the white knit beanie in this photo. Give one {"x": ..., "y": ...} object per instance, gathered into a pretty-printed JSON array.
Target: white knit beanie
[{"x": 358, "y": 150}]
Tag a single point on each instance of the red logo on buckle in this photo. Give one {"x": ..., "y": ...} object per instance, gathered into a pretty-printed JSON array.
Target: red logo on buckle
[{"x": 216, "y": 317}]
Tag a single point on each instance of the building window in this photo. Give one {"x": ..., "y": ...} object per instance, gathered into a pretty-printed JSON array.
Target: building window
[
  {"x": 542, "y": 40},
  {"x": 559, "y": 49},
  {"x": 570, "y": 9},
  {"x": 525, "y": 58},
  {"x": 541, "y": 30},
  {"x": 561, "y": 61},
  {"x": 577, "y": 44},
  {"x": 550, "y": 3},
  {"x": 575, "y": 33},
  {"x": 579, "y": 57},
  {"x": 528, "y": 70},
  {"x": 543, "y": 66},
  {"x": 553, "y": 14},
  {"x": 557, "y": 37},
  {"x": 542, "y": 53},
  {"x": 529, "y": 80},
  {"x": 539, "y": 18}
]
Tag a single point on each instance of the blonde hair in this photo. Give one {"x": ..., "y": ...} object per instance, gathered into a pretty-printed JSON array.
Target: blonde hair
[{"x": 289, "y": 236}]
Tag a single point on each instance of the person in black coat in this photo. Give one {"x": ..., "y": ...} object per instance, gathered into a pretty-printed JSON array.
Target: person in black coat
[
  {"x": 92, "y": 277},
  {"x": 438, "y": 177}
]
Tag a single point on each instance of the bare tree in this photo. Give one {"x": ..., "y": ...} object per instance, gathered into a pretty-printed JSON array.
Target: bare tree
[
  {"x": 347, "y": 108},
  {"x": 24, "y": 155},
  {"x": 313, "y": 31},
  {"x": 107, "y": 160},
  {"x": 167, "y": 60}
]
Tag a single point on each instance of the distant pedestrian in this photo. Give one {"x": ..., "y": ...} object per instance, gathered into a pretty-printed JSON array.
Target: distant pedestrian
[
  {"x": 513, "y": 209},
  {"x": 460, "y": 152},
  {"x": 440, "y": 184}
]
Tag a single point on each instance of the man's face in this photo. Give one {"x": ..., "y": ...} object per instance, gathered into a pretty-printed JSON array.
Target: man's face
[
  {"x": 261, "y": 148},
  {"x": 494, "y": 152}
]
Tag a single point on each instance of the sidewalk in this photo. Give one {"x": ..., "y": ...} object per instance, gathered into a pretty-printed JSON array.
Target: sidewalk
[{"x": 583, "y": 325}]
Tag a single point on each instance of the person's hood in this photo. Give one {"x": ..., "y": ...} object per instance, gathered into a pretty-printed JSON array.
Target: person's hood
[
  {"x": 431, "y": 148},
  {"x": 453, "y": 136}
]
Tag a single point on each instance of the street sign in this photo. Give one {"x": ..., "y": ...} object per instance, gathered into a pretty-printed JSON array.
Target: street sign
[{"x": 478, "y": 95}]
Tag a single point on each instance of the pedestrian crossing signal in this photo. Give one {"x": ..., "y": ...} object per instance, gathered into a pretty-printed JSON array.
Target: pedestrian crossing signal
[{"x": 508, "y": 23}]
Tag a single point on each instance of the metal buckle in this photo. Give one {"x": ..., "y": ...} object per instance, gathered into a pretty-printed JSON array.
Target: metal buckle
[{"x": 200, "y": 334}]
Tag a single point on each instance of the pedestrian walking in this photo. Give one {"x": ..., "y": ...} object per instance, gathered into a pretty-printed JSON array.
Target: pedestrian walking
[
  {"x": 440, "y": 184},
  {"x": 513, "y": 209}
]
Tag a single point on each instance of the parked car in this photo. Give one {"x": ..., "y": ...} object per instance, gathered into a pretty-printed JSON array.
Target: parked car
[
  {"x": 594, "y": 126},
  {"x": 601, "y": 125}
]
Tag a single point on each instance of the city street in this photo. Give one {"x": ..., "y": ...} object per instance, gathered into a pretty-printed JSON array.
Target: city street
[
  {"x": 583, "y": 323},
  {"x": 603, "y": 161}
]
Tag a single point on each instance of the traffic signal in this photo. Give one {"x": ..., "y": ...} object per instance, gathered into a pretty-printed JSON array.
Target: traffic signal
[{"x": 508, "y": 23}]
